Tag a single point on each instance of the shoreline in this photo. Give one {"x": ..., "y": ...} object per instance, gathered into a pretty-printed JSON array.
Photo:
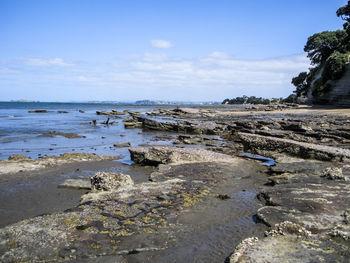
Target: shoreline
[{"x": 199, "y": 179}]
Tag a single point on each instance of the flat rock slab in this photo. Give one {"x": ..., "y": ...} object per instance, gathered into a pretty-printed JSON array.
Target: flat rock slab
[
  {"x": 188, "y": 126},
  {"x": 15, "y": 165},
  {"x": 163, "y": 155},
  {"x": 265, "y": 145},
  {"x": 68, "y": 135},
  {"x": 122, "y": 144},
  {"x": 292, "y": 248},
  {"x": 315, "y": 208},
  {"x": 311, "y": 201},
  {"x": 76, "y": 184},
  {"x": 305, "y": 167}
]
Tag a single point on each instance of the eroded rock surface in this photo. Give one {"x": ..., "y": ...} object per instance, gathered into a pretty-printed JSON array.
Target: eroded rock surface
[
  {"x": 110, "y": 181},
  {"x": 302, "y": 197},
  {"x": 265, "y": 145},
  {"x": 112, "y": 219},
  {"x": 18, "y": 163},
  {"x": 290, "y": 242},
  {"x": 163, "y": 155}
]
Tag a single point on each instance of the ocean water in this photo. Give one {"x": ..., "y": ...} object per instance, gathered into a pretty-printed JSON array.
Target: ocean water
[{"x": 22, "y": 132}]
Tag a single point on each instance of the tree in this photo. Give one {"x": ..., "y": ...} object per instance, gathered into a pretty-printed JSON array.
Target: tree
[
  {"x": 301, "y": 84},
  {"x": 292, "y": 98},
  {"x": 344, "y": 13},
  {"x": 329, "y": 53},
  {"x": 226, "y": 101},
  {"x": 321, "y": 45}
]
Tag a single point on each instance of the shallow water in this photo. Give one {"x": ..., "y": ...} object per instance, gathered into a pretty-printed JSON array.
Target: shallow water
[
  {"x": 264, "y": 160},
  {"x": 22, "y": 132}
]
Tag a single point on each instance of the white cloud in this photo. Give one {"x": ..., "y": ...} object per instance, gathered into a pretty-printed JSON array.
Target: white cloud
[
  {"x": 82, "y": 79},
  {"x": 158, "y": 43},
  {"x": 219, "y": 55},
  {"x": 43, "y": 62},
  {"x": 213, "y": 77}
]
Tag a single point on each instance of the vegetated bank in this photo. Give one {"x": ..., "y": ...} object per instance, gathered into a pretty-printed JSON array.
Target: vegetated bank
[{"x": 328, "y": 81}]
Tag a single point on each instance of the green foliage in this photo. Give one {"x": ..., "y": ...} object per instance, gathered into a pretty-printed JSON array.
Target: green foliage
[
  {"x": 333, "y": 69},
  {"x": 317, "y": 87},
  {"x": 321, "y": 45},
  {"x": 320, "y": 86},
  {"x": 251, "y": 100},
  {"x": 328, "y": 50},
  {"x": 335, "y": 66},
  {"x": 344, "y": 13},
  {"x": 292, "y": 98},
  {"x": 301, "y": 83}
]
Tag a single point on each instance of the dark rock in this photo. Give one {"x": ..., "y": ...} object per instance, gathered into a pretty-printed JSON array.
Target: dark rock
[
  {"x": 191, "y": 127},
  {"x": 122, "y": 144},
  {"x": 132, "y": 125},
  {"x": 196, "y": 140},
  {"x": 38, "y": 111},
  {"x": 223, "y": 196}
]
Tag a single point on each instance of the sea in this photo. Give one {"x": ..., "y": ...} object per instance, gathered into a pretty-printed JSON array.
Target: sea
[{"x": 22, "y": 132}]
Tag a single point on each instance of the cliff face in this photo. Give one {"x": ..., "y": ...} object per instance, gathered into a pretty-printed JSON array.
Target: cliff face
[{"x": 339, "y": 94}]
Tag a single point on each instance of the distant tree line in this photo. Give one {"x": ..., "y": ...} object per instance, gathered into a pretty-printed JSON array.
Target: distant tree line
[
  {"x": 329, "y": 53},
  {"x": 254, "y": 100}
]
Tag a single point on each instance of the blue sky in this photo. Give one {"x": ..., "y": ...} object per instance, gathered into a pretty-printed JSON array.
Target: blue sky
[{"x": 79, "y": 50}]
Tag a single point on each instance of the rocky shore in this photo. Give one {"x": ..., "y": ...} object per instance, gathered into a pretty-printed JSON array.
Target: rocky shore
[
  {"x": 306, "y": 201},
  {"x": 301, "y": 205},
  {"x": 20, "y": 163}
]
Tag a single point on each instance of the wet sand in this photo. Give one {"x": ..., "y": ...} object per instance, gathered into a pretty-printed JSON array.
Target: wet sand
[{"x": 28, "y": 194}]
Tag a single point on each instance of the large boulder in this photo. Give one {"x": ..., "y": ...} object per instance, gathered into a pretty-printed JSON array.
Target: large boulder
[{"x": 103, "y": 181}]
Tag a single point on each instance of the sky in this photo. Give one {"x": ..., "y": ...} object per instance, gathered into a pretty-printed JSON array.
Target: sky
[{"x": 183, "y": 50}]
